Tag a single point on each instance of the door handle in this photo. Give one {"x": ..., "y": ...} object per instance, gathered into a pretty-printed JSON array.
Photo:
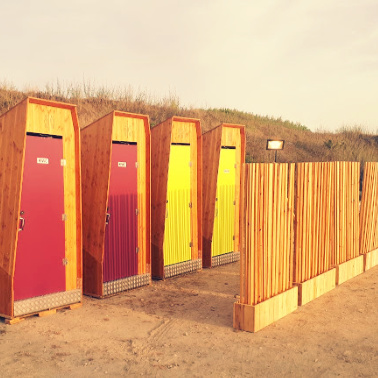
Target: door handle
[
  {"x": 22, "y": 225},
  {"x": 107, "y": 219},
  {"x": 22, "y": 222}
]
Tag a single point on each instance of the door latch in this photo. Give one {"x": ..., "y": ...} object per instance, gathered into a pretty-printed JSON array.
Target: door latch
[
  {"x": 22, "y": 222},
  {"x": 65, "y": 262}
]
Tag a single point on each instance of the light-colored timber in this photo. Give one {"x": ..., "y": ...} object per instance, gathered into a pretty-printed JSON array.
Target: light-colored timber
[
  {"x": 34, "y": 115},
  {"x": 96, "y": 140},
  {"x": 267, "y": 238},
  {"x": 371, "y": 259},
  {"x": 326, "y": 217},
  {"x": 349, "y": 269},
  {"x": 224, "y": 135},
  {"x": 369, "y": 210},
  {"x": 317, "y": 286},
  {"x": 253, "y": 318}
]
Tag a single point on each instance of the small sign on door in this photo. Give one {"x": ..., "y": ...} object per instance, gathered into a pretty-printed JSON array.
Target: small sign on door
[
  {"x": 226, "y": 171},
  {"x": 122, "y": 164},
  {"x": 42, "y": 161}
]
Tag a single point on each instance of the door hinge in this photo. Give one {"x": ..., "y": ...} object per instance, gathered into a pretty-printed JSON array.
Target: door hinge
[
  {"x": 65, "y": 262},
  {"x": 233, "y": 237},
  {"x": 64, "y": 217},
  {"x": 137, "y": 249},
  {"x": 136, "y": 211},
  {"x": 235, "y": 166},
  {"x": 190, "y": 204},
  {"x": 136, "y": 164},
  {"x": 190, "y": 244},
  {"x": 63, "y": 162},
  {"x": 190, "y": 164},
  {"x": 234, "y": 202}
]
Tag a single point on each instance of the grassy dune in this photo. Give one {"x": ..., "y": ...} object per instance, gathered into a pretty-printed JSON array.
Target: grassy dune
[{"x": 301, "y": 144}]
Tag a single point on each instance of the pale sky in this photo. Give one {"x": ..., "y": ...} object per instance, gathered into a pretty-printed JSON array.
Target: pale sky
[{"x": 313, "y": 62}]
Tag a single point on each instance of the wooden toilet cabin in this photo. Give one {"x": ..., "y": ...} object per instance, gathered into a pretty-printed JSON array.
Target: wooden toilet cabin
[
  {"x": 116, "y": 203},
  {"x": 40, "y": 208},
  {"x": 223, "y": 156},
  {"x": 176, "y": 197}
]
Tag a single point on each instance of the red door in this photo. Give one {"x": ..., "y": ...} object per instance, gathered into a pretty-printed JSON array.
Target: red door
[
  {"x": 41, "y": 241},
  {"x": 120, "y": 255}
]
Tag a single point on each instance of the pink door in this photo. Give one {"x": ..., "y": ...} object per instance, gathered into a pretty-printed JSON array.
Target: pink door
[
  {"x": 40, "y": 252},
  {"x": 121, "y": 235}
]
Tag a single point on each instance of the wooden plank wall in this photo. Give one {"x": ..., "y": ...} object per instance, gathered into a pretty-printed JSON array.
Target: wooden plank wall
[
  {"x": 369, "y": 209},
  {"x": 267, "y": 231},
  {"x": 12, "y": 143},
  {"x": 314, "y": 219},
  {"x": 96, "y": 140}
]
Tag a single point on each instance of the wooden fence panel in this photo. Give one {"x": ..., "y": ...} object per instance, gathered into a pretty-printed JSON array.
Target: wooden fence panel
[
  {"x": 267, "y": 231},
  {"x": 369, "y": 209},
  {"x": 326, "y": 217},
  {"x": 347, "y": 225},
  {"x": 314, "y": 219}
]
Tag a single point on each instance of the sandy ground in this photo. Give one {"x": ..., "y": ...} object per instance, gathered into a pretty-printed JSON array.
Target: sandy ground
[{"x": 183, "y": 327}]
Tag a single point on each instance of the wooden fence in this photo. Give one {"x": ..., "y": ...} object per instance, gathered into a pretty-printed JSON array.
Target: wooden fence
[
  {"x": 314, "y": 219},
  {"x": 267, "y": 231},
  {"x": 326, "y": 216},
  {"x": 347, "y": 225},
  {"x": 369, "y": 209}
]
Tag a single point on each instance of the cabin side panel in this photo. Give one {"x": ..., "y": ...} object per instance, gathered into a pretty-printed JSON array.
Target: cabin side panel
[
  {"x": 95, "y": 153},
  {"x": 160, "y": 149},
  {"x": 12, "y": 143}
]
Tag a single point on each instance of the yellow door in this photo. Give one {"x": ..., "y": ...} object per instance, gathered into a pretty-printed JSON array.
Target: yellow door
[
  {"x": 177, "y": 233},
  {"x": 224, "y": 221}
]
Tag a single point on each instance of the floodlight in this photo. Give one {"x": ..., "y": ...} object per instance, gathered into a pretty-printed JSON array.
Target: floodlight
[{"x": 275, "y": 145}]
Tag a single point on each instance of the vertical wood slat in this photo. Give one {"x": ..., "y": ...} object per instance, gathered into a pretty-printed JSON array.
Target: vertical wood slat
[
  {"x": 369, "y": 209},
  {"x": 267, "y": 231},
  {"x": 327, "y": 208}
]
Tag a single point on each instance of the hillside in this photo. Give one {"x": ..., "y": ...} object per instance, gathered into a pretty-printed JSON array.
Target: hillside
[{"x": 300, "y": 143}]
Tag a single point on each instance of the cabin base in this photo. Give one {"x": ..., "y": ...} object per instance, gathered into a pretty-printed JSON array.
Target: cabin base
[
  {"x": 317, "y": 286},
  {"x": 252, "y": 318},
  {"x": 46, "y": 302},
  {"x": 227, "y": 258},
  {"x": 128, "y": 283},
  {"x": 181, "y": 268},
  {"x": 371, "y": 259},
  {"x": 349, "y": 269},
  {"x": 42, "y": 314}
]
